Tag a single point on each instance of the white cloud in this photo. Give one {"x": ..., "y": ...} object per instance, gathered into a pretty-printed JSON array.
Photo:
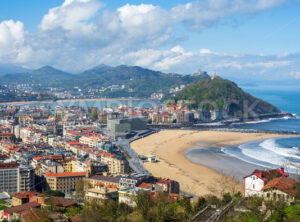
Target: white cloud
[
  {"x": 11, "y": 36},
  {"x": 295, "y": 74},
  {"x": 202, "y": 14},
  {"x": 77, "y": 35},
  {"x": 72, "y": 15},
  {"x": 205, "y": 51}
]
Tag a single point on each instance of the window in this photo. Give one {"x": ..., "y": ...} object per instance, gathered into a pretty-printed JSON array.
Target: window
[
  {"x": 268, "y": 195},
  {"x": 253, "y": 186}
]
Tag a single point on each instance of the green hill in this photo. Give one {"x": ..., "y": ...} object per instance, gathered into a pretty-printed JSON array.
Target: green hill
[
  {"x": 137, "y": 81},
  {"x": 222, "y": 94}
]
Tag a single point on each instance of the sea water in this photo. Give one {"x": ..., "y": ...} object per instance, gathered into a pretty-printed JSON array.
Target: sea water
[{"x": 264, "y": 154}]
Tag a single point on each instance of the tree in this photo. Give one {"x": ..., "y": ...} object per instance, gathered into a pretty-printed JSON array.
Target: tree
[
  {"x": 226, "y": 198},
  {"x": 54, "y": 193},
  {"x": 185, "y": 203},
  {"x": 254, "y": 204},
  {"x": 72, "y": 211},
  {"x": 201, "y": 203},
  {"x": 143, "y": 203},
  {"x": 79, "y": 189},
  {"x": 95, "y": 113},
  {"x": 124, "y": 210}
]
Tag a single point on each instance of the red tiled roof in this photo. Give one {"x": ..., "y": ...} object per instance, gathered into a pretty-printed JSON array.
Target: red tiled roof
[
  {"x": 163, "y": 181},
  {"x": 26, "y": 194},
  {"x": 23, "y": 207},
  {"x": 77, "y": 218},
  {"x": 145, "y": 185},
  {"x": 66, "y": 174},
  {"x": 34, "y": 215},
  {"x": 8, "y": 165},
  {"x": 6, "y": 134},
  {"x": 63, "y": 202},
  {"x": 267, "y": 175},
  {"x": 54, "y": 157},
  {"x": 282, "y": 183},
  {"x": 2, "y": 157}
]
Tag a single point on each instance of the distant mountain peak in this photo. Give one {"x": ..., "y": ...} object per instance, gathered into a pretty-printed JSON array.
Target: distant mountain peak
[
  {"x": 100, "y": 68},
  {"x": 6, "y": 68},
  {"x": 49, "y": 70},
  {"x": 47, "y": 67}
]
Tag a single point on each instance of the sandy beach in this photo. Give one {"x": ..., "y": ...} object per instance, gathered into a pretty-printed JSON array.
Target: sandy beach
[{"x": 169, "y": 147}]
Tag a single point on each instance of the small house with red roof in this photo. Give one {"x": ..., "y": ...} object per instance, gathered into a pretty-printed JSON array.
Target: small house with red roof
[
  {"x": 280, "y": 188},
  {"x": 255, "y": 182},
  {"x": 23, "y": 197},
  {"x": 167, "y": 185}
]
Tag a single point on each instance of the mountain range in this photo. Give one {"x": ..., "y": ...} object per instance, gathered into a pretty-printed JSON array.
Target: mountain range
[{"x": 137, "y": 81}]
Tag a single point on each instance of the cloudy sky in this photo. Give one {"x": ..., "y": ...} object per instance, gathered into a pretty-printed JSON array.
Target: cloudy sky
[{"x": 239, "y": 38}]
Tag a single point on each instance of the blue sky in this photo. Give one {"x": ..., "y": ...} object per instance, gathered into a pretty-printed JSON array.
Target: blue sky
[{"x": 233, "y": 37}]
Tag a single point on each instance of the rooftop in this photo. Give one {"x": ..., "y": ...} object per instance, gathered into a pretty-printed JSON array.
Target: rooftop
[
  {"x": 26, "y": 194},
  {"x": 23, "y": 207},
  {"x": 66, "y": 174},
  {"x": 105, "y": 178},
  {"x": 8, "y": 165},
  {"x": 283, "y": 183}
]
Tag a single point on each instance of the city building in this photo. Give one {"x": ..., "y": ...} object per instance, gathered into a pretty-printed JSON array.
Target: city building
[
  {"x": 115, "y": 165},
  {"x": 280, "y": 188},
  {"x": 127, "y": 195},
  {"x": 14, "y": 213},
  {"x": 23, "y": 197},
  {"x": 167, "y": 185},
  {"x": 255, "y": 182},
  {"x": 100, "y": 193},
  {"x": 216, "y": 115},
  {"x": 26, "y": 178},
  {"x": 119, "y": 127},
  {"x": 64, "y": 182},
  {"x": 9, "y": 177},
  {"x": 105, "y": 180}
]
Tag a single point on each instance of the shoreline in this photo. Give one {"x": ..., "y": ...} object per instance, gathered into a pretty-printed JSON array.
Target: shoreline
[
  {"x": 170, "y": 146},
  {"x": 73, "y": 100}
]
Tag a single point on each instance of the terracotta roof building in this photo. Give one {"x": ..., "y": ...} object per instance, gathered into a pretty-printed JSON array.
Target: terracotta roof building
[
  {"x": 64, "y": 182},
  {"x": 280, "y": 188},
  {"x": 23, "y": 197},
  {"x": 13, "y": 213}
]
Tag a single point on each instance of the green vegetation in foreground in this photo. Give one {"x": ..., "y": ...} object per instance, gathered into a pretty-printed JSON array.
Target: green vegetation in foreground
[
  {"x": 217, "y": 94},
  {"x": 161, "y": 207},
  {"x": 3, "y": 205}
]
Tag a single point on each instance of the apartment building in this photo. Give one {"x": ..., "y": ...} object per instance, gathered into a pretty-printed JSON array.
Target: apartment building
[
  {"x": 9, "y": 174},
  {"x": 64, "y": 182},
  {"x": 115, "y": 165},
  {"x": 26, "y": 178},
  {"x": 90, "y": 141}
]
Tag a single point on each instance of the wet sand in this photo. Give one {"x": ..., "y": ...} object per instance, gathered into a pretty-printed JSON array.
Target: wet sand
[{"x": 169, "y": 146}]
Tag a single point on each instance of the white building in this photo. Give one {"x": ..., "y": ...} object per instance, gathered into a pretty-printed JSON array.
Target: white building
[{"x": 254, "y": 183}]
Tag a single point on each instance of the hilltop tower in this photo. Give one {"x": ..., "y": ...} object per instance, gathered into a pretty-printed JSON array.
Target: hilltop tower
[{"x": 215, "y": 76}]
